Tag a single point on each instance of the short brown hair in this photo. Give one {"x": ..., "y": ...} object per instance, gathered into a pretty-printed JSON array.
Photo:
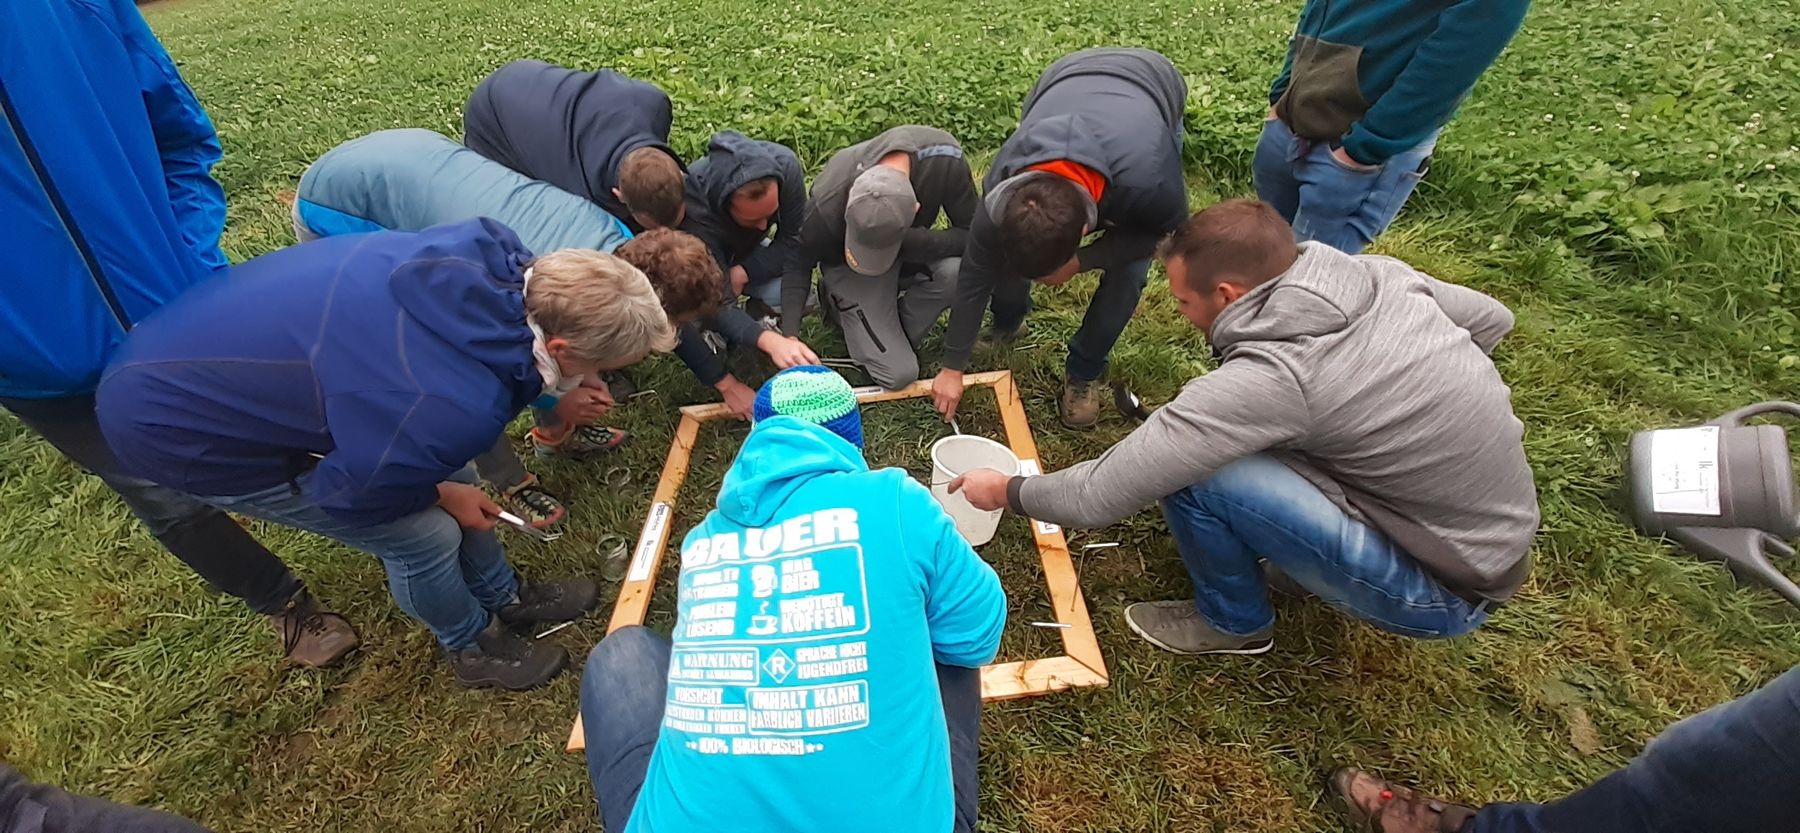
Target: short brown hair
[
  {"x": 755, "y": 188},
  {"x": 650, "y": 184},
  {"x": 1041, "y": 225},
  {"x": 604, "y": 306},
  {"x": 1241, "y": 240},
  {"x": 681, "y": 268}
]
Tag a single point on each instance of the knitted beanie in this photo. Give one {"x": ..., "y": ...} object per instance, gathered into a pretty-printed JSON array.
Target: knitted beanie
[{"x": 814, "y": 394}]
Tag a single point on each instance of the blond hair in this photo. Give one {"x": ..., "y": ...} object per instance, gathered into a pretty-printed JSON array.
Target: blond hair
[{"x": 605, "y": 307}]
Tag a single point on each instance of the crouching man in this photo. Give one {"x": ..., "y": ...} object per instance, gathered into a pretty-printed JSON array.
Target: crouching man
[
  {"x": 824, "y": 668},
  {"x": 1355, "y": 435},
  {"x": 342, "y": 387}
]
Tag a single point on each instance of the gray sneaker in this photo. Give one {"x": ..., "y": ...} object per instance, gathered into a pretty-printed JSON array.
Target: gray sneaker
[{"x": 1176, "y": 627}]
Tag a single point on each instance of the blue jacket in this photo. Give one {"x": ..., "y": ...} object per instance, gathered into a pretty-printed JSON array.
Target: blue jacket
[
  {"x": 814, "y": 602},
  {"x": 364, "y": 369},
  {"x": 569, "y": 128},
  {"x": 110, "y": 209},
  {"x": 411, "y": 179}
]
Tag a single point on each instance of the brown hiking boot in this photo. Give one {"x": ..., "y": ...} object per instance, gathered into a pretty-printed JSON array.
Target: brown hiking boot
[
  {"x": 311, "y": 637},
  {"x": 1377, "y": 806},
  {"x": 1080, "y": 403}
]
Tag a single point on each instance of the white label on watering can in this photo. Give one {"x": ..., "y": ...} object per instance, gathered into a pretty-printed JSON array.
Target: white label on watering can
[
  {"x": 1029, "y": 468},
  {"x": 1684, "y": 471},
  {"x": 647, "y": 541}
]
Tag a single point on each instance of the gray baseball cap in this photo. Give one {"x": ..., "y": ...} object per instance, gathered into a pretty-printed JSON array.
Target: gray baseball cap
[{"x": 880, "y": 210}]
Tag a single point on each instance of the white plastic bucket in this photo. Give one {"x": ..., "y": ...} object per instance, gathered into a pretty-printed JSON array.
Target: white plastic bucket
[{"x": 953, "y": 456}]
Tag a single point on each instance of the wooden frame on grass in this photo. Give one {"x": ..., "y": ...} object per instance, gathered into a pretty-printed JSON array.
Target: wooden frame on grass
[{"x": 1080, "y": 664}]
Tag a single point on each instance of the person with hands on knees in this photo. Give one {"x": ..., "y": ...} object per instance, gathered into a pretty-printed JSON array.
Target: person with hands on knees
[
  {"x": 1097, "y": 150},
  {"x": 736, "y": 193},
  {"x": 1355, "y": 113},
  {"x": 886, "y": 272},
  {"x": 824, "y": 672},
  {"x": 1355, "y": 435},
  {"x": 342, "y": 387}
]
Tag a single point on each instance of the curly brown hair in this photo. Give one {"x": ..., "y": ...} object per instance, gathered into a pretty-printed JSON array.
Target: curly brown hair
[{"x": 682, "y": 269}]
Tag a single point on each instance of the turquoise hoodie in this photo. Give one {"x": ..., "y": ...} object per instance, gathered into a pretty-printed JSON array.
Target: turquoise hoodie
[{"x": 814, "y": 602}]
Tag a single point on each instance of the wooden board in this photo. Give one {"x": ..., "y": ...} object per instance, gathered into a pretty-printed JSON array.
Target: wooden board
[{"x": 1081, "y": 663}]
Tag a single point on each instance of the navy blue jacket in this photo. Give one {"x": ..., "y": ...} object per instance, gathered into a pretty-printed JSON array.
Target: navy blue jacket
[
  {"x": 566, "y": 127},
  {"x": 365, "y": 369},
  {"x": 110, "y": 209}
]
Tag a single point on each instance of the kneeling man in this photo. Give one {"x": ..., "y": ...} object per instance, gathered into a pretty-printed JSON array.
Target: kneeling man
[{"x": 1355, "y": 435}]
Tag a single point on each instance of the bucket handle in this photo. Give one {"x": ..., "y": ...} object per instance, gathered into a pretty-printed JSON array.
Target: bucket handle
[{"x": 1737, "y": 417}]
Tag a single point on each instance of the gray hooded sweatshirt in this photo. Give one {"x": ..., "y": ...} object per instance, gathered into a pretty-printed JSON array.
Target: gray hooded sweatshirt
[{"x": 1369, "y": 379}]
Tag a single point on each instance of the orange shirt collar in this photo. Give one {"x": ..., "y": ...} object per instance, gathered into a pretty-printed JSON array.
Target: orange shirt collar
[{"x": 1077, "y": 173}]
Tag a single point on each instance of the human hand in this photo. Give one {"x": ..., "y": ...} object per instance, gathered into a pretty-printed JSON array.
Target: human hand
[
  {"x": 739, "y": 398},
  {"x": 785, "y": 351},
  {"x": 1063, "y": 273},
  {"x": 470, "y": 506},
  {"x": 1345, "y": 160},
  {"x": 739, "y": 279},
  {"x": 584, "y": 405},
  {"x": 984, "y": 489},
  {"x": 947, "y": 392}
]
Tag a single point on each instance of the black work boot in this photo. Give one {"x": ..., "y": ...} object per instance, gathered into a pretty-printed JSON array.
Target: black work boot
[
  {"x": 502, "y": 659},
  {"x": 310, "y": 636},
  {"x": 551, "y": 601}
]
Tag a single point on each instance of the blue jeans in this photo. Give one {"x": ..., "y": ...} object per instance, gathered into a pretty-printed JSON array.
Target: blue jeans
[
  {"x": 1115, "y": 301},
  {"x": 1257, "y": 508},
  {"x": 625, "y": 685},
  {"x": 441, "y": 574},
  {"x": 1327, "y": 201},
  {"x": 1731, "y": 769}
]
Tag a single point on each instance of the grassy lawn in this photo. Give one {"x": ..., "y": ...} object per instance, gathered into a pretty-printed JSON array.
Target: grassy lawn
[{"x": 1625, "y": 178}]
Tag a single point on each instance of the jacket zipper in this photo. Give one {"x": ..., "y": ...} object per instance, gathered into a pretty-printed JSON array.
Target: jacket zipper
[{"x": 62, "y": 211}]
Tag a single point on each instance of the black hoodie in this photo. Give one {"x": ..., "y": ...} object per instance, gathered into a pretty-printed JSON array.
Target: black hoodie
[
  {"x": 568, "y": 128},
  {"x": 732, "y": 161},
  {"x": 1116, "y": 111}
]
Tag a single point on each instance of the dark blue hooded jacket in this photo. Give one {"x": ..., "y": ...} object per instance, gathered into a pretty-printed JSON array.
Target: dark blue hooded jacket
[
  {"x": 569, "y": 128},
  {"x": 109, "y": 209},
  {"x": 380, "y": 363}
]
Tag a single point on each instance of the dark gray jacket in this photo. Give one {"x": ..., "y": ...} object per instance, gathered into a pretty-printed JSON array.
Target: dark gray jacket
[
  {"x": 1369, "y": 379},
  {"x": 566, "y": 127},
  {"x": 941, "y": 181},
  {"x": 1116, "y": 111},
  {"x": 38, "y": 808}
]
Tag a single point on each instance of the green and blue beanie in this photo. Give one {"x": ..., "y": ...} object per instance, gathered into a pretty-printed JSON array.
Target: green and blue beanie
[{"x": 814, "y": 394}]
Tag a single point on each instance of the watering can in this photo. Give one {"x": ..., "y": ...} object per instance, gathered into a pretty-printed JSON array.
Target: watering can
[{"x": 1723, "y": 490}]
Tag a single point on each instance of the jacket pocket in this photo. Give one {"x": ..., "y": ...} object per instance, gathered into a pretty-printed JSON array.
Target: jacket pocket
[{"x": 1324, "y": 95}]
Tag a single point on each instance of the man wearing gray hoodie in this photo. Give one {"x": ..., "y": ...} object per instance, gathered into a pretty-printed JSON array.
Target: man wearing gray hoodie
[{"x": 1355, "y": 435}]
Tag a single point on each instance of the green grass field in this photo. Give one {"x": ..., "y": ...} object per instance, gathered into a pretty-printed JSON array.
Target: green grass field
[{"x": 1625, "y": 178}]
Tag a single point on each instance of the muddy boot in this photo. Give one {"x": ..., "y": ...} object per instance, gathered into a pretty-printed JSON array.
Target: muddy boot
[
  {"x": 1080, "y": 407},
  {"x": 582, "y": 442},
  {"x": 619, "y": 385},
  {"x": 502, "y": 659},
  {"x": 996, "y": 337},
  {"x": 539, "y": 508},
  {"x": 550, "y": 602},
  {"x": 311, "y": 637},
  {"x": 1377, "y": 806}
]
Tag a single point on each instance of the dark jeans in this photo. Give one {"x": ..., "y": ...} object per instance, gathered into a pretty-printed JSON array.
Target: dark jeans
[
  {"x": 500, "y": 466},
  {"x": 1113, "y": 304},
  {"x": 1732, "y": 769},
  {"x": 622, "y": 694},
  {"x": 36, "y": 808},
  {"x": 204, "y": 538}
]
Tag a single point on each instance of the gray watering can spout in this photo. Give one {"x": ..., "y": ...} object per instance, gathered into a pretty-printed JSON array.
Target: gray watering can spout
[{"x": 1724, "y": 491}]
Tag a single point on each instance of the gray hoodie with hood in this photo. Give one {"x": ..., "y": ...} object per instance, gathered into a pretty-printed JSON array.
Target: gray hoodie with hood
[{"x": 1369, "y": 379}]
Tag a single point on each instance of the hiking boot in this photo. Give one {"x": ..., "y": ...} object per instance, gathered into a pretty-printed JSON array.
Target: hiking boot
[
  {"x": 997, "y": 337},
  {"x": 581, "y": 442},
  {"x": 551, "y": 601},
  {"x": 1080, "y": 408},
  {"x": 311, "y": 637},
  {"x": 1177, "y": 628},
  {"x": 1376, "y": 806},
  {"x": 539, "y": 508},
  {"x": 619, "y": 385},
  {"x": 502, "y": 659}
]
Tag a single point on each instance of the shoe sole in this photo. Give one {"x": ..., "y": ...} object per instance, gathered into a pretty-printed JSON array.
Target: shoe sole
[
  {"x": 1251, "y": 651},
  {"x": 561, "y": 665}
]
